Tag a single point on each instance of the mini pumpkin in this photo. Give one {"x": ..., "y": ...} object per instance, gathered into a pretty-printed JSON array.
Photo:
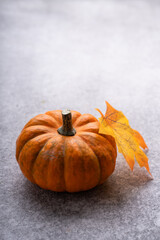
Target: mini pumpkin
[{"x": 63, "y": 151}]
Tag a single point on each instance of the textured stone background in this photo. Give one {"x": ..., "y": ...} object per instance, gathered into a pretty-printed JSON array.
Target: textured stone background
[{"x": 77, "y": 54}]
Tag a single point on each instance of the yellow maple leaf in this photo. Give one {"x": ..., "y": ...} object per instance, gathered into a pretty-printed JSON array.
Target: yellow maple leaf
[{"x": 128, "y": 140}]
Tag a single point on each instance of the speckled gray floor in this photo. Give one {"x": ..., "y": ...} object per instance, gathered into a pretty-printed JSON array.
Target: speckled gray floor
[{"x": 77, "y": 54}]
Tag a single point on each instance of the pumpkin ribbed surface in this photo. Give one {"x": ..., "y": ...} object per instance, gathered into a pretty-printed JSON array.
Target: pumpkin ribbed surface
[{"x": 65, "y": 163}]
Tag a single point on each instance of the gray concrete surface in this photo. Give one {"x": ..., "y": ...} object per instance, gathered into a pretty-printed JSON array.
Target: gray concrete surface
[{"x": 77, "y": 54}]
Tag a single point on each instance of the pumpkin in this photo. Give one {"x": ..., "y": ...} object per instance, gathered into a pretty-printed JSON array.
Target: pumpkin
[{"x": 63, "y": 151}]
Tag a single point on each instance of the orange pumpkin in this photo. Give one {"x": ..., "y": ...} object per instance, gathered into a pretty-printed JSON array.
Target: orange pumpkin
[{"x": 72, "y": 158}]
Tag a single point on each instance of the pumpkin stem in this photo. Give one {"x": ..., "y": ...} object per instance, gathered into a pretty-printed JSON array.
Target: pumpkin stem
[{"x": 67, "y": 129}]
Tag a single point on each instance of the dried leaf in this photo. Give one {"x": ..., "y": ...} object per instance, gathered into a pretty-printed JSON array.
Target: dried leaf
[
  {"x": 128, "y": 140},
  {"x": 140, "y": 139}
]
